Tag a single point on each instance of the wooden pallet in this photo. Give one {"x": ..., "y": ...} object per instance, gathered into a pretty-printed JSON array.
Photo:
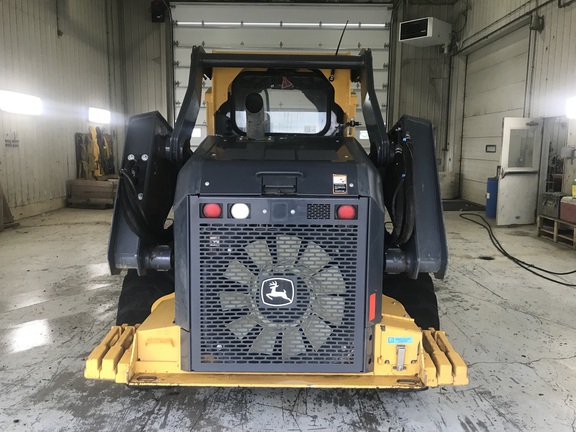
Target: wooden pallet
[
  {"x": 90, "y": 203},
  {"x": 557, "y": 230},
  {"x": 91, "y": 193},
  {"x": 6, "y": 218}
]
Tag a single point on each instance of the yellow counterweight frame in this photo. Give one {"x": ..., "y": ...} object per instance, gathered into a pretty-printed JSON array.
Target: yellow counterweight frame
[{"x": 405, "y": 357}]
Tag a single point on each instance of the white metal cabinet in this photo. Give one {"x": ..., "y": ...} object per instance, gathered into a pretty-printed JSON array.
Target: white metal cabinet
[{"x": 519, "y": 171}]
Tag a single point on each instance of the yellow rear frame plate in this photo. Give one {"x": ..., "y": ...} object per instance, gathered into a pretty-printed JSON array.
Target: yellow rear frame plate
[{"x": 405, "y": 357}]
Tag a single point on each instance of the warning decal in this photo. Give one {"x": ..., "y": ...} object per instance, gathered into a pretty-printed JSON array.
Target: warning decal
[{"x": 340, "y": 183}]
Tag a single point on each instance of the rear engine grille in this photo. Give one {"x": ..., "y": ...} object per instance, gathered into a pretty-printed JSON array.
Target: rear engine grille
[{"x": 277, "y": 295}]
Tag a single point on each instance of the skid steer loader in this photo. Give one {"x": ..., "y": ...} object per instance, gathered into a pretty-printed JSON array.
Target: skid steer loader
[{"x": 277, "y": 270}]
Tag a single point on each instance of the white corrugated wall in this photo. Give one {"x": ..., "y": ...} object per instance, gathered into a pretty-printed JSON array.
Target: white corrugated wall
[
  {"x": 69, "y": 72},
  {"x": 554, "y": 55},
  {"x": 554, "y": 77},
  {"x": 143, "y": 59},
  {"x": 551, "y": 67},
  {"x": 422, "y": 75}
]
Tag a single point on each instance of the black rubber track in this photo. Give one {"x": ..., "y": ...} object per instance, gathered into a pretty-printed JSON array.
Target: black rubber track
[
  {"x": 139, "y": 294},
  {"x": 416, "y": 295}
]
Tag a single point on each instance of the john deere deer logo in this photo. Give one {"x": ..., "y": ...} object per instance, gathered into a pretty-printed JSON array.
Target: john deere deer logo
[
  {"x": 277, "y": 292},
  {"x": 273, "y": 293}
]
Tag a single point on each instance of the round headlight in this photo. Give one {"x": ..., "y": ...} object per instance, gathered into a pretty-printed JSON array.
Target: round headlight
[{"x": 240, "y": 211}]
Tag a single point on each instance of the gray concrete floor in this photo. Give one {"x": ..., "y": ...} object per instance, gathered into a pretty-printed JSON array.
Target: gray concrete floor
[{"x": 57, "y": 300}]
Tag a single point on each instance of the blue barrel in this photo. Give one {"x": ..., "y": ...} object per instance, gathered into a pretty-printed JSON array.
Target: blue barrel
[{"x": 491, "y": 197}]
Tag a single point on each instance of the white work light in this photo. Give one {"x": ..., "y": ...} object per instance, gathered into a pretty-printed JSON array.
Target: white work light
[
  {"x": 571, "y": 108},
  {"x": 97, "y": 115},
  {"x": 240, "y": 211},
  {"x": 20, "y": 103}
]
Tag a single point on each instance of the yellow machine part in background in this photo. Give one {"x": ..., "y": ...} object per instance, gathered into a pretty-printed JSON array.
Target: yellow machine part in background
[
  {"x": 405, "y": 357},
  {"x": 94, "y": 154}
]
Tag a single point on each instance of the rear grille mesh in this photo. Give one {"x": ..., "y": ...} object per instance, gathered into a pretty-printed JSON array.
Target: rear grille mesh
[
  {"x": 248, "y": 274},
  {"x": 318, "y": 211}
]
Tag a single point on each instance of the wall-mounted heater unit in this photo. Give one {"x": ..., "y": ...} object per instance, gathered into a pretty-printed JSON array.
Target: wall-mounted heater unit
[{"x": 424, "y": 32}]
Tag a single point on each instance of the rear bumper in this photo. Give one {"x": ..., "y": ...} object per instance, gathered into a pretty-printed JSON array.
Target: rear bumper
[{"x": 405, "y": 357}]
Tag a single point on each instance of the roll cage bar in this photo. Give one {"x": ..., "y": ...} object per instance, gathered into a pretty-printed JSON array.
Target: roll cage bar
[{"x": 202, "y": 64}]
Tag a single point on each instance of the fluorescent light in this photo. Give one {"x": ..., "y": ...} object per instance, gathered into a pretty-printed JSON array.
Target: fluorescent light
[
  {"x": 278, "y": 24},
  {"x": 288, "y": 24},
  {"x": 97, "y": 115},
  {"x": 571, "y": 108},
  {"x": 373, "y": 26},
  {"x": 20, "y": 103},
  {"x": 261, "y": 24},
  {"x": 196, "y": 133}
]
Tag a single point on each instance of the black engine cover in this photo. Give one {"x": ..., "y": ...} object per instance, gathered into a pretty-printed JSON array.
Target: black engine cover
[{"x": 290, "y": 288}]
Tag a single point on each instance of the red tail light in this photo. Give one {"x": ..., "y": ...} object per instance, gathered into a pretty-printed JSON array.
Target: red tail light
[
  {"x": 372, "y": 308},
  {"x": 346, "y": 212},
  {"x": 212, "y": 210}
]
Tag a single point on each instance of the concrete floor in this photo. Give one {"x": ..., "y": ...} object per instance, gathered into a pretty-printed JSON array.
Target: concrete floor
[{"x": 514, "y": 330}]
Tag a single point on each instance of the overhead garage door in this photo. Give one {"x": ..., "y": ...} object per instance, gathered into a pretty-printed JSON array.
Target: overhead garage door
[
  {"x": 495, "y": 88},
  {"x": 273, "y": 27}
]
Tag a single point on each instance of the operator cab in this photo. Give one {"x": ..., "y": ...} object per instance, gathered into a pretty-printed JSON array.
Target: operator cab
[{"x": 293, "y": 103}]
